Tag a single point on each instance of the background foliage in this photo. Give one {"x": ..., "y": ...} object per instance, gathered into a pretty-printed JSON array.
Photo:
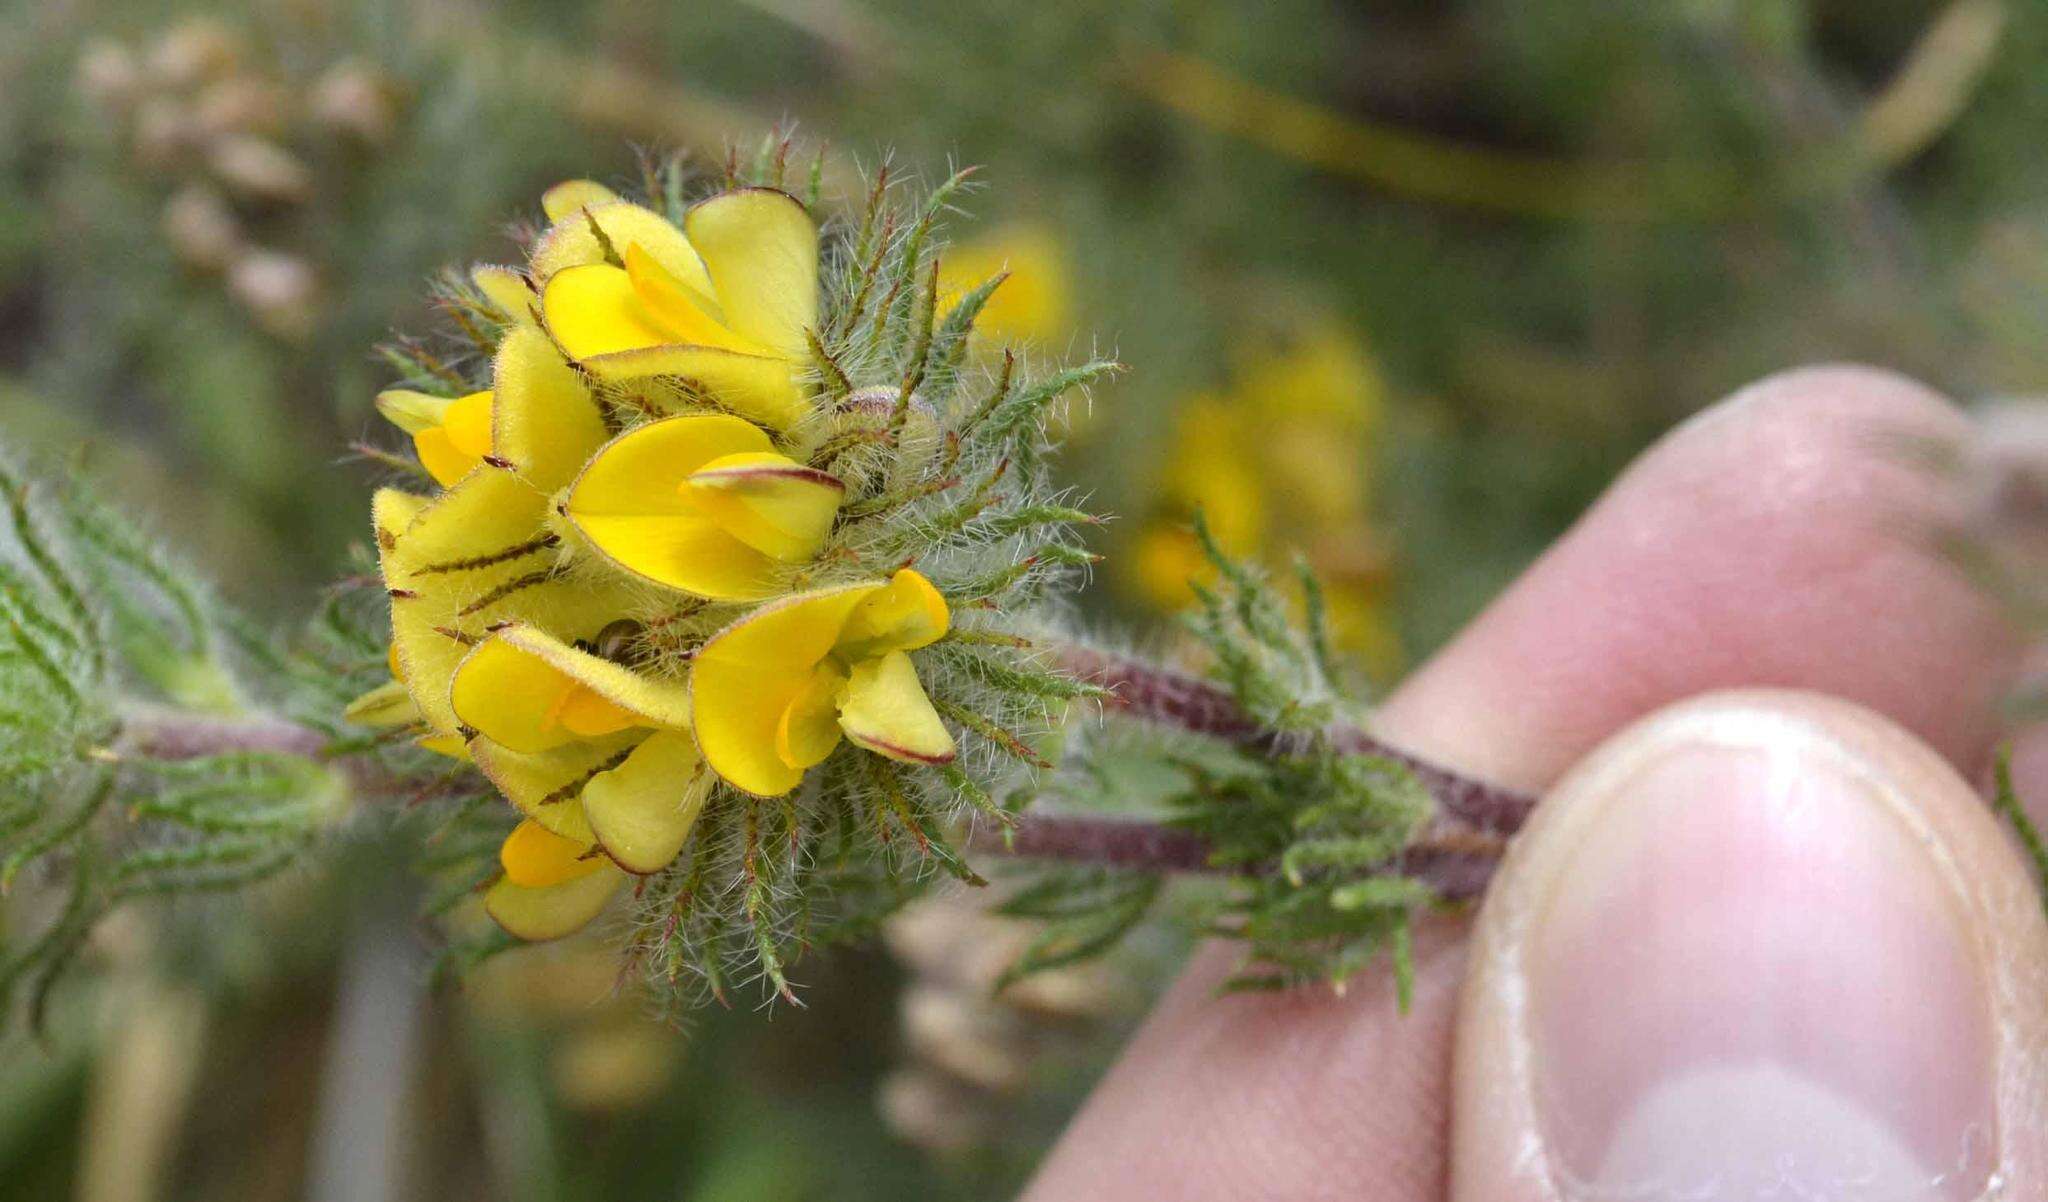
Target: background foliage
[{"x": 1402, "y": 284}]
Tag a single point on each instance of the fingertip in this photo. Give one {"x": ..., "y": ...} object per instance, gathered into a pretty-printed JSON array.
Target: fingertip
[{"x": 1759, "y": 940}]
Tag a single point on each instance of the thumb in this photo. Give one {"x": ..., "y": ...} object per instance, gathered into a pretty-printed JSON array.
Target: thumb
[{"x": 1759, "y": 945}]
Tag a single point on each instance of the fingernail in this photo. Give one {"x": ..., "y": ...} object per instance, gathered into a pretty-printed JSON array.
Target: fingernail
[{"x": 1752, "y": 977}]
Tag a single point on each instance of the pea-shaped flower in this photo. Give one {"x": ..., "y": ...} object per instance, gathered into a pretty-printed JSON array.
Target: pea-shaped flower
[
  {"x": 704, "y": 504},
  {"x": 725, "y": 301},
  {"x": 774, "y": 693},
  {"x": 610, "y": 746}
]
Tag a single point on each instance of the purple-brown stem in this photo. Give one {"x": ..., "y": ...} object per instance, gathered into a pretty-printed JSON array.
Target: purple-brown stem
[{"x": 170, "y": 734}]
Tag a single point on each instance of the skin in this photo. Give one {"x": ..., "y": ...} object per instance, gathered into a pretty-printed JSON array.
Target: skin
[{"x": 1769, "y": 545}]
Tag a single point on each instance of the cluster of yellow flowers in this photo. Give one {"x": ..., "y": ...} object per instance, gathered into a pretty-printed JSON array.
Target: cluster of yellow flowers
[{"x": 643, "y": 460}]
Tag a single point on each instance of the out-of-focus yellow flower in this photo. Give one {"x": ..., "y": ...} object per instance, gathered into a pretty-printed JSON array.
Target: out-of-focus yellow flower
[
  {"x": 1317, "y": 405},
  {"x": 775, "y": 692},
  {"x": 725, "y": 301},
  {"x": 1209, "y": 470},
  {"x": 703, "y": 503},
  {"x": 1035, "y": 304},
  {"x": 606, "y": 1053},
  {"x": 1280, "y": 463}
]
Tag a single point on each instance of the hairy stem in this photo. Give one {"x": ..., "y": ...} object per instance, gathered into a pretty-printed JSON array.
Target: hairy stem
[
  {"x": 156, "y": 733},
  {"x": 1171, "y": 698},
  {"x": 1455, "y": 865}
]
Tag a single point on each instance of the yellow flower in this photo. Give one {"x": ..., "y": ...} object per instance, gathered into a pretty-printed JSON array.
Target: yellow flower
[
  {"x": 774, "y": 693},
  {"x": 1317, "y": 404},
  {"x": 552, "y": 886},
  {"x": 1035, "y": 303},
  {"x": 724, "y": 302},
  {"x": 590, "y": 749},
  {"x": 1280, "y": 462},
  {"x": 703, "y": 504},
  {"x": 1208, "y": 470},
  {"x": 480, "y": 553},
  {"x": 452, "y": 436},
  {"x": 597, "y": 756}
]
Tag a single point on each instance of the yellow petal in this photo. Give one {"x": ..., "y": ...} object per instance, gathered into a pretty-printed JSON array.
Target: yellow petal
[
  {"x": 571, "y": 243},
  {"x": 770, "y": 502},
  {"x": 438, "y": 455},
  {"x": 906, "y": 615},
  {"x": 536, "y": 915},
  {"x": 506, "y": 290},
  {"x": 659, "y": 700},
  {"x": 680, "y": 311},
  {"x": 527, "y": 690},
  {"x": 468, "y": 422},
  {"x": 452, "y": 449},
  {"x": 412, "y": 411},
  {"x": 547, "y": 786},
  {"x": 536, "y": 857},
  {"x": 573, "y": 195},
  {"x": 887, "y": 712},
  {"x": 545, "y": 423},
  {"x": 389, "y": 704},
  {"x": 809, "y": 727},
  {"x": 761, "y": 387},
  {"x": 686, "y": 552},
  {"x": 511, "y": 698},
  {"x": 437, "y": 613},
  {"x": 588, "y": 715},
  {"x": 485, "y": 513},
  {"x": 747, "y": 675},
  {"x": 594, "y": 310},
  {"x": 761, "y": 249},
  {"x": 629, "y": 503},
  {"x": 642, "y": 810}
]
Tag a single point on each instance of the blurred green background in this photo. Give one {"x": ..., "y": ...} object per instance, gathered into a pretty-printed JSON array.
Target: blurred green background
[{"x": 1402, "y": 284}]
